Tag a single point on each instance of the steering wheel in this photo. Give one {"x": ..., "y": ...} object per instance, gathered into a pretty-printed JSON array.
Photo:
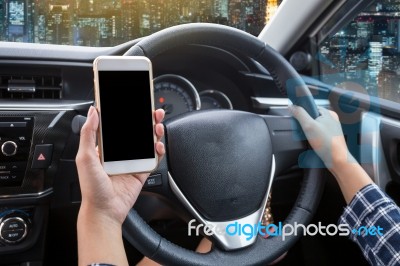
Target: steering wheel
[{"x": 220, "y": 164}]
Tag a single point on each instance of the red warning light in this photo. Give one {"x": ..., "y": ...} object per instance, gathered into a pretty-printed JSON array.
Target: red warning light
[
  {"x": 41, "y": 157},
  {"x": 161, "y": 100}
]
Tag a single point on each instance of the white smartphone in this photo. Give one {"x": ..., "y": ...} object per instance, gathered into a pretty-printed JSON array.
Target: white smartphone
[{"x": 124, "y": 99}]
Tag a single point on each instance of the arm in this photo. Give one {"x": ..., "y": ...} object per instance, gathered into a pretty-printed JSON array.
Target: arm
[
  {"x": 368, "y": 206},
  {"x": 351, "y": 178},
  {"x": 106, "y": 200}
]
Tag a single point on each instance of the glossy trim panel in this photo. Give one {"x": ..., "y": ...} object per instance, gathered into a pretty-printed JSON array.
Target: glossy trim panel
[
  {"x": 228, "y": 242},
  {"x": 38, "y": 106},
  {"x": 28, "y": 195},
  {"x": 372, "y": 150},
  {"x": 266, "y": 103}
]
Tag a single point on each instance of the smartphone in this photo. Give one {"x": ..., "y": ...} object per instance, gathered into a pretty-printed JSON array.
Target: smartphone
[{"x": 124, "y": 100}]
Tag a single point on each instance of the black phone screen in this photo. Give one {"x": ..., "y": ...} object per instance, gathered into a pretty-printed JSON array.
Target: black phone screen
[{"x": 126, "y": 115}]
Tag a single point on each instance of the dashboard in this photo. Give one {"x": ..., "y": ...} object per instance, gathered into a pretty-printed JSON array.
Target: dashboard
[{"x": 45, "y": 88}]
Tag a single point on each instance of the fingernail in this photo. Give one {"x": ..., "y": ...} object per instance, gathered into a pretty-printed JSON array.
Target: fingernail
[
  {"x": 90, "y": 111},
  {"x": 93, "y": 111}
]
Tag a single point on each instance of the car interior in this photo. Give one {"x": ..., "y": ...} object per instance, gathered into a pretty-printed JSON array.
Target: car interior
[{"x": 230, "y": 138}]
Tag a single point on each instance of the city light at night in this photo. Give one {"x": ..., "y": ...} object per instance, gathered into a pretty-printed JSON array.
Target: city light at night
[
  {"x": 366, "y": 51},
  {"x": 111, "y": 22}
]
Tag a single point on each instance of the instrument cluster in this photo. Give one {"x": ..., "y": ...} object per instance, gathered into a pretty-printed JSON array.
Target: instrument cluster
[{"x": 176, "y": 95}]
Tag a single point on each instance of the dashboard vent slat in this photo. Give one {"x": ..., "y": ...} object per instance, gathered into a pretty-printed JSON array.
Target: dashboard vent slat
[{"x": 30, "y": 87}]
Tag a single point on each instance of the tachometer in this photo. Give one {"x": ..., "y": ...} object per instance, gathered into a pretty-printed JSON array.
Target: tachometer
[
  {"x": 175, "y": 94},
  {"x": 213, "y": 99}
]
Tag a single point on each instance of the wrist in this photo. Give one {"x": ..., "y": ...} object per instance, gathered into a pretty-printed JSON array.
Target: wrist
[
  {"x": 343, "y": 164},
  {"x": 350, "y": 176},
  {"x": 99, "y": 238},
  {"x": 91, "y": 216}
]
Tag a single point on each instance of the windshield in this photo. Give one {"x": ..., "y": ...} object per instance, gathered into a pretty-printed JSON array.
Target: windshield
[{"x": 112, "y": 22}]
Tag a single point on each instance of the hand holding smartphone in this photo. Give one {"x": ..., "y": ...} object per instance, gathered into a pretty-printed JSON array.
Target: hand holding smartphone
[{"x": 124, "y": 99}]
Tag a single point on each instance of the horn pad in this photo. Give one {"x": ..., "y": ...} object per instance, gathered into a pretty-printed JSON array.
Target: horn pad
[{"x": 221, "y": 161}]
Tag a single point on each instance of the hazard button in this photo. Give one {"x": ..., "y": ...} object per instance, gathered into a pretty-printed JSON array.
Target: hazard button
[{"x": 42, "y": 156}]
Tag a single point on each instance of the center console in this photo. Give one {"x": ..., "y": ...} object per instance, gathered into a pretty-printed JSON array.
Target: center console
[{"x": 33, "y": 145}]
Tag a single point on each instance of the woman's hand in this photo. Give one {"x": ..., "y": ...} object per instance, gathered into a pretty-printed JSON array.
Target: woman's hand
[
  {"x": 325, "y": 136},
  {"x": 108, "y": 197}
]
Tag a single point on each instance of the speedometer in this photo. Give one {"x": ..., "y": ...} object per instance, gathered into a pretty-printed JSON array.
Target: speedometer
[{"x": 175, "y": 94}]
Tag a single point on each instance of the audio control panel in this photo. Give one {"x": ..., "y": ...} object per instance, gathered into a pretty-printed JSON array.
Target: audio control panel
[{"x": 15, "y": 142}]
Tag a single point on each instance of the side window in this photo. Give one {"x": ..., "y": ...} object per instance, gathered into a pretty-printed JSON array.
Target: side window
[{"x": 366, "y": 52}]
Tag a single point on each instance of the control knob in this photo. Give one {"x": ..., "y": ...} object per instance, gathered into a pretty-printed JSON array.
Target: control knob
[{"x": 9, "y": 148}]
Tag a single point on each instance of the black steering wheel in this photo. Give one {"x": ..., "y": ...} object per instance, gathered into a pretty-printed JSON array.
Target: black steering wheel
[{"x": 220, "y": 164}]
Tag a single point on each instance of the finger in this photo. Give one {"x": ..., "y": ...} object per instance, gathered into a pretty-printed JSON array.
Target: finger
[
  {"x": 88, "y": 131},
  {"x": 87, "y": 152},
  {"x": 322, "y": 110},
  {"x": 325, "y": 112},
  {"x": 159, "y": 115},
  {"x": 302, "y": 116},
  {"x": 159, "y": 131},
  {"x": 160, "y": 148}
]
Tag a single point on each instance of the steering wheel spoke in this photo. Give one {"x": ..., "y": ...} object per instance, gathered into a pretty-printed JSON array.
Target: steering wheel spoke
[
  {"x": 232, "y": 234},
  {"x": 287, "y": 140}
]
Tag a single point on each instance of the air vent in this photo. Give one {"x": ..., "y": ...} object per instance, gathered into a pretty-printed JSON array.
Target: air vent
[{"x": 30, "y": 87}]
